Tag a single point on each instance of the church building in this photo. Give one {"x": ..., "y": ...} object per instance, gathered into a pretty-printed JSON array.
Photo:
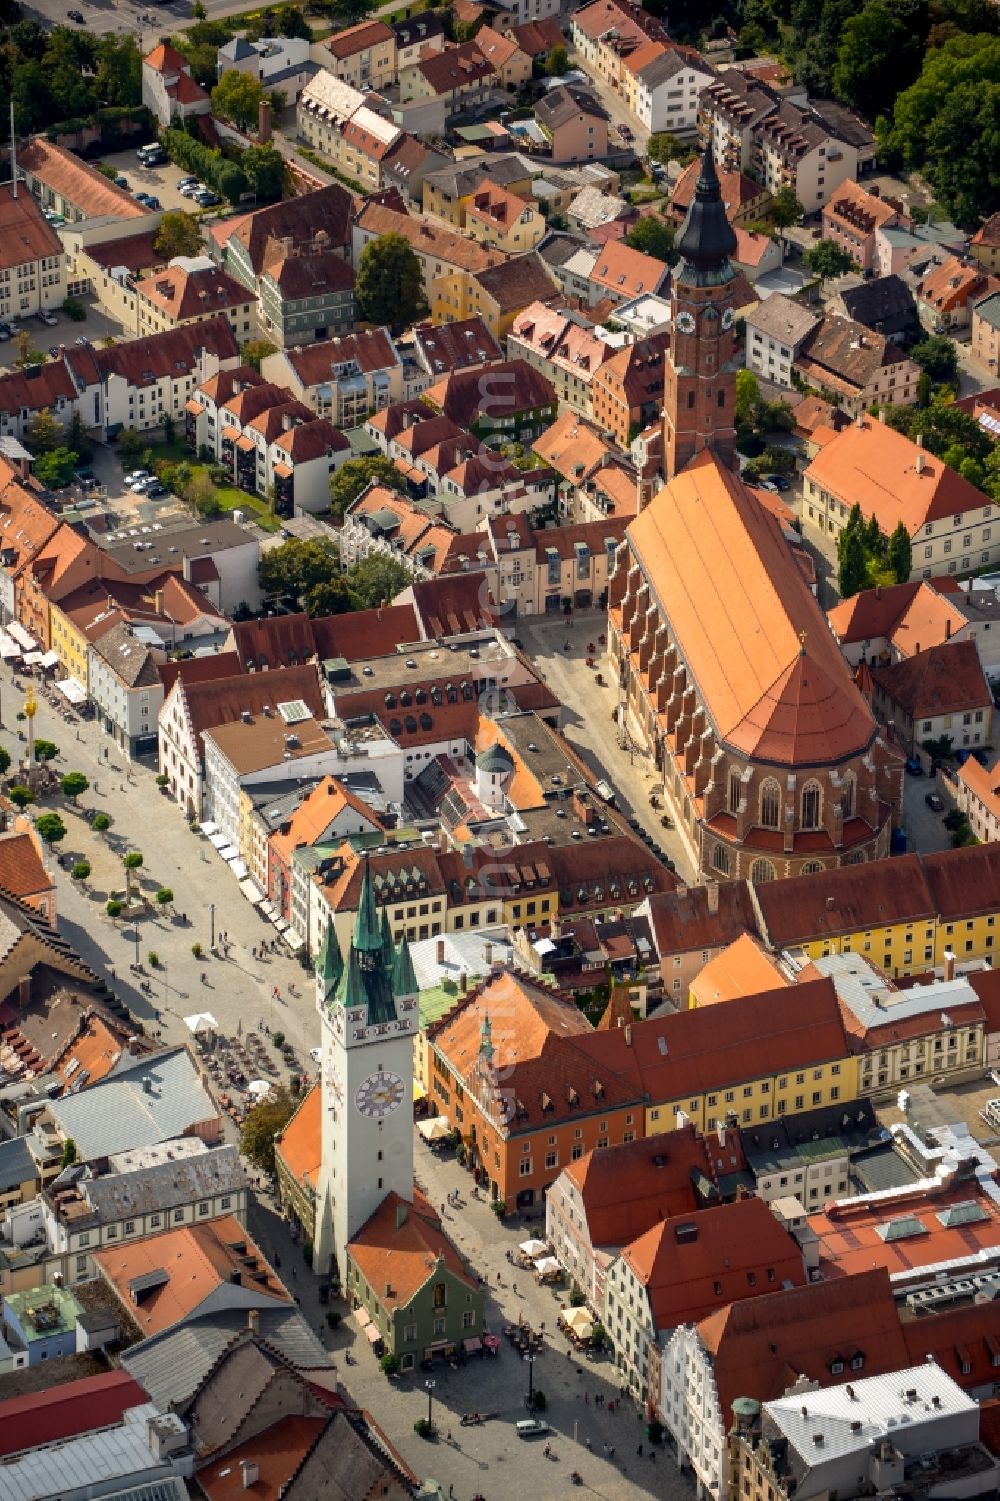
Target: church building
[{"x": 771, "y": 761}]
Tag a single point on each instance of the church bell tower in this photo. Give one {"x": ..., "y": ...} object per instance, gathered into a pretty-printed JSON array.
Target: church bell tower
[{"x": 700, "y": 381}]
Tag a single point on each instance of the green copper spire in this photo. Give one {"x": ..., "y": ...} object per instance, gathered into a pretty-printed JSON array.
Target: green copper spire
[
  {"x": 329, "y": 963},
  {"x": 388, "y": 947},
  {"x": 404, "y": 980},
  {"x": 486, "y": 1041},
  {"x": 367, "y": 930}
]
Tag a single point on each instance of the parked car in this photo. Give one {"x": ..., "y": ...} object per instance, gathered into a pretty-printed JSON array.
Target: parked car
[
  {"x": 54, "y": 349},
  {"x": 765, "y": 484},
  {"x": 122, "y": 182},
  {"x": 207, "y": 199},
  {"x": 130, "y": 479},
  {"x": 531, "y": 1428},
  {"x": 142, "y": 198},
  {"x": 778, "y": 481},
  {"x": 4, "y": 336},
  {"x": 152, "y": 202},
  {"x": 934, "y": 802},
  {"x": 187, "y": 189},
  {"x": 913, "y": 767},
  {"x": 49, "y": 319},
  {"x": 605, "y": 790},
  {"x": 77, "y": 16},
  {"x": 625, "y": 132},
  {"x": 83, "y": 341},
  {"x": 154, "y": 490},
  {"x": 187, "y": 182}
]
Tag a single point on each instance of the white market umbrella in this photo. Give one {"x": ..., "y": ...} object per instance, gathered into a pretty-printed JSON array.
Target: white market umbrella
[
  {"x": 436, "y": 1129},
  {"x": 201, "y": 1022},
  {"x": 533, "y": 1248},
  {"x": 259, "y": 1088},
  {"x": 546, "y": 1264},
  {"x": 579, "y": 1320}
]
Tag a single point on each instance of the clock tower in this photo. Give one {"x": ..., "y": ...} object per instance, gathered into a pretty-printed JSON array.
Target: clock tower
[
  {"x": 369, "y": 1014},
  {"x": 700, "y": 382}
]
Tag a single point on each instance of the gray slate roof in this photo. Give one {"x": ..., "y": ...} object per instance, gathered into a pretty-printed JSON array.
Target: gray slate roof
[
  {"x": 166, "y": 1185},
  {"x": 119, "y": 1112},
  {"x": 170, "y": 1366},
  {"x": 17, "y": 1165}
]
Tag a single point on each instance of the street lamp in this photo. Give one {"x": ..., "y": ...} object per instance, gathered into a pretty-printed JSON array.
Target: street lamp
[
  {"x": 430, "y": 1385},
  {"x": 529, "y": 1400},
  {"x": 211, "y": 913}
]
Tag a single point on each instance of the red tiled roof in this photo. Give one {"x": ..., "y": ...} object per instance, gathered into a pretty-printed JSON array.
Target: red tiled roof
[
  {"x": 360, "y": 38},
  {"x": 682, "y": 1262},
  {"x": 78, "y": 182},
  {"x": 62, "y": 1412},
  {"x": 849, "y": 1239},
  {"x": 277, "y": 1452},
  {"x": 946, "y": 679},
  {"x": 760, "y": 1346}
]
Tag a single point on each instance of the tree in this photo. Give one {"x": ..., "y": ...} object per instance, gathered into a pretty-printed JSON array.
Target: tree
[
  {"x": 347, "y": 482},
  {"x": 853, "y": 573},
  {"x": 292, "y": 23},
  {"x": 785, "y": 208},
  {"x": 179, "y": 234},
  {"x": 119, "y": 70},
  {"x": 297, "y": 566},
  {"x": 264, "y": 170},
  {"x": 653, "y": 236},
  {"x": 4, "y": 761},
  {"x": 747, "y": 398},
  {"x": 557, "y": 62},
  {"x": 130, "y": 443},
  {"x": 664, "y": 147},
  {"x": 826, "y": 259},
  {"x": 332, "y": 597},
  {"x": 879, "y": 55},
  {"x": 899, "y": 554},
  {"x": 27, "y": 354},
  {"x": 388, "y": 287},
  {"x": 202, "y": 494},
  {"x": 46, "y": 750},
  {"x": 101, "y": 823},
  {"x": 164, "y": 896},
  {"x": 944, "y": 125},
  {"x": 21, "y": 796},
  {"x": 81, "y": 870},
  {"x": 131, "y": 861},
  {"x": 255, "y": 350},
  {"x": 76, "y": 437},
  {"x": 50, "y": 828},
  {"x": 376, "y": 580},
  {"x": 237, "y": 97},
  {"x": 68, "y": 1153},
  {"x": 114, "y": 908},
  {"x": 73, "y": 784},
  {"x": 45, "y": 433},
  {"x": 263, "y": 1123},
  {"x": 55, "y": 469},
  {"x": 938, "y": 357}
]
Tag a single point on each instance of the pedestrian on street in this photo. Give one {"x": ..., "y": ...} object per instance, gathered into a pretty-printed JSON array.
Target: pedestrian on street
[{"x": 639, "y": 1451}]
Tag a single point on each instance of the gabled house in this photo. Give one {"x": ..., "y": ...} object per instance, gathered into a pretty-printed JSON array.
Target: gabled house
[
  {"x": 947, "y": 293},
  {"x": 169, "y": 91}
]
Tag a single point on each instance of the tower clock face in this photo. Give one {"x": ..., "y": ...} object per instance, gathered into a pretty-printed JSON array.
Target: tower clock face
[
  {"x": 335, "y": 1082},
  {"x": 685, "y": 322},
  {"x": 379, "y": 1095},
  {"x": 728, "y": 317}
]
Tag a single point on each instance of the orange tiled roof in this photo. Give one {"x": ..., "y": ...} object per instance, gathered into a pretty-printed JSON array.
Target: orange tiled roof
[
  {"x": 849, "y": 1239},
  {"x": 403, "y": 1256},
  {"x": 196, "y": 1261},
  {"x": 22, "y": 869},
  {"x": 627, "y": 272},
  {"x": 732, "y": 1242},
  {"x": 278, "y": 1453},
  {"x": 744, "y": 968},
  {"x": 314, "y": 816},
  {"x": 78, "y": 182},
  {"x": 767, "y": 669},
  {"x": 91, "y": 1055},
  {"x": 951, "y": 285},
  {"x": 301, "y": 1144}
]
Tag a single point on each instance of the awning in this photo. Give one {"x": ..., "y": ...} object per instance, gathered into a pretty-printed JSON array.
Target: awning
[
  {"x": 34, "y": 658},
  {"x": 8, "y": 648},
  {"x": 268, "y": 908},
  {"x": 251, "y": 891},
  {"x": 362, "y": 1317},
  {"x": 279, "y": 922},
  {"x": 23, "y": 638},
  {"x": 293, "y": 940},
  {"x": 545, "y": 1265},
  {"x": 208, "y": 827},
  {"x": 201, "y": 1022},
  {"x": 373, "y": 1334},
  {"x": 491, "y": 1341},
  {"x": 218, "y": 840},
  {"x": 239, "y": 870},
  {"x": 229, "y": 852},
  {"x": 49, "y": 659},
  {"x": 471, "y": 1346},
  {"x": 72, "y": 690}
]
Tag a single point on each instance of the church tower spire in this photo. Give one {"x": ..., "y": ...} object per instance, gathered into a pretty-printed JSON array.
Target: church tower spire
[{"x": 700, "y": 380}]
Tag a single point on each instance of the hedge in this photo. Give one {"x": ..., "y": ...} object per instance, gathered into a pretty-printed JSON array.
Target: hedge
[{"x": 226, "y": 176}]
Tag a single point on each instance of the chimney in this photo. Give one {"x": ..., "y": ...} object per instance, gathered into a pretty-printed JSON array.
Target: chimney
[
  {"x": 645, "y": 493},
  {"x": 712, "y": 894},
  {"x": 463, "y": 982},
  {"x": 24, "y": 991},
  {"x": 488, "y": 955},
  {"x": 947, "y": 630},
  {"x": 147, "y": 1084},
  {"x": 949, "y": 964},
  {"x": 920, "y": 463},
  {"x": 440, "y": 951},
  {"x": 264, "y": 122},
  {"x": 628, "y": 1035},
  {"x": 250, "y": 1470},
  {"x": 158, "y": 601},
  {"x": 253, "y": 1320}
]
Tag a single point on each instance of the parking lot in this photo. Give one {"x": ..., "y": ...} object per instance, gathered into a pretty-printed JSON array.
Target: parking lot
[
  {"x": 161, "y": 182},
  {"x": 48, "y": 337}
]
